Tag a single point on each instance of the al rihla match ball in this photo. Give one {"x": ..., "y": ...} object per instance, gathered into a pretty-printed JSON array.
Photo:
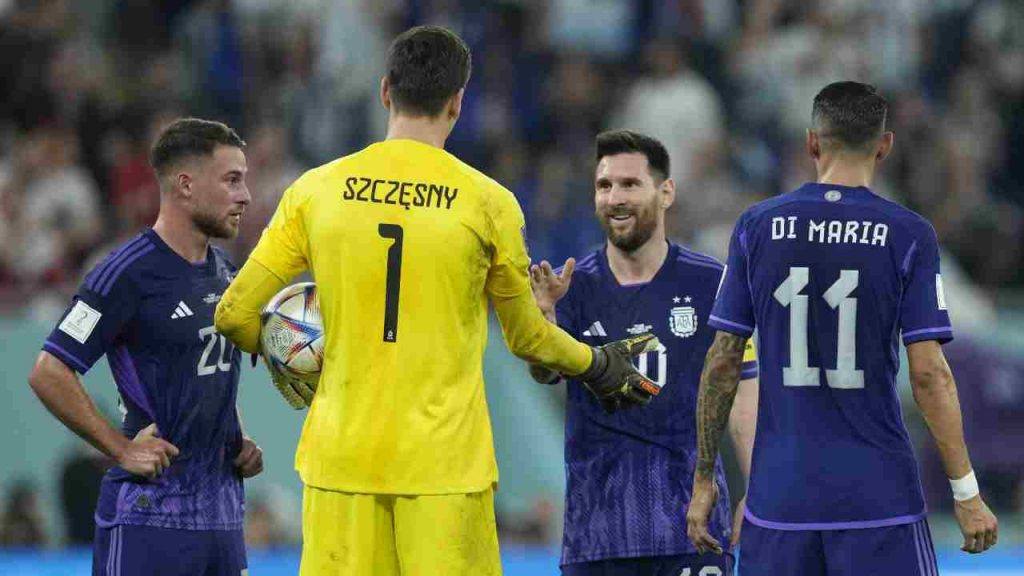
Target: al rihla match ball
[{"x": 292, "y": 337}]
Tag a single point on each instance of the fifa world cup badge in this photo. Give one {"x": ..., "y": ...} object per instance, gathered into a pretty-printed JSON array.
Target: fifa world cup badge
[{"x": 682, "y": 321}]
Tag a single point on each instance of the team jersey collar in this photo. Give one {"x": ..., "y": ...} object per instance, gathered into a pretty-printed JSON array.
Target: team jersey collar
[
  {"x": 205, "y": 266},
  {"x": 622, "y": 292},
  {"x": 818, "y": 188}
]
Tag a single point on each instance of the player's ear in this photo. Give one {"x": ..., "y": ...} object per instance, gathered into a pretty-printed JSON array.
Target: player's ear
[
  {"x": 183, "y": 183},
  {"x": 813, "y": 144},
  {"x": 668, "y": 193},
  {"x": 885, "y": 147},
  {"x": 385, "y": 93},
  {"x": 455, "y": 105}
]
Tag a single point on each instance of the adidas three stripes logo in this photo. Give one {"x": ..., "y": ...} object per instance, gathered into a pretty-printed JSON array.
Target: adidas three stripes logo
[{"x": 181, "y": 311}]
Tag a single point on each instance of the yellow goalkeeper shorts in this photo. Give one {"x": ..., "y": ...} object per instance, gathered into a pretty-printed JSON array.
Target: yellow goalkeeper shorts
[{"x": 375, "y": 534}]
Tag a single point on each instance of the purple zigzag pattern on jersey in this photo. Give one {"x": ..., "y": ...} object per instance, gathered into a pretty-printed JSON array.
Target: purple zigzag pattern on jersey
[
  {"x": 127, "y": 379},
  {"x": 104, "y": 267},
  {"x": 109, "y": 283}
]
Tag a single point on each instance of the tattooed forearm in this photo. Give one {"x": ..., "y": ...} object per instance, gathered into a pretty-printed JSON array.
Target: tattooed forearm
[{"x": 718, "y": 383}]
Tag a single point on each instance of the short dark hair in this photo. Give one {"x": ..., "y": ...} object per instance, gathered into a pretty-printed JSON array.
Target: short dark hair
[
  {"x": 426, "y": 66},
  {"x": 615, "y": 142},
  {"x": 190, "y": 138},
  {"x": 849, "y": 114}
]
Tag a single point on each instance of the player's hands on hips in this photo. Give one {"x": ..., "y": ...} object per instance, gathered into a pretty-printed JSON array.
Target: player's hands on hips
[
  {"x": 249, "y": 461},
  {"x": 737, "y": 520},
  {"x": 705, "y": 492},
  {"x": 549, "y": 287},
  {"x": 613, "y": 379},
  {"x": 978, "y": 524},
  {"x": 147, "y": 454}
]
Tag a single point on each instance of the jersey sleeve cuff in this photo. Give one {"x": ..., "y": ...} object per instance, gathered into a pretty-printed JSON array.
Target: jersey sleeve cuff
[
  {"x": 941, "y": 334},
  {"x": 730, "y": 326},
  {"x": 66, "y": 357},
  {"x": 748, "y": 371}
]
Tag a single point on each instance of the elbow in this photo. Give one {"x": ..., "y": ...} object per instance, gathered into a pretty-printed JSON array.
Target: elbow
[
  {"x": 40, "y": 380},
  {"x": 36, "y": 381},
  {"x": 523, "y": 349},
  {"x": 224, "y": 321},
  {"x": 930, "y": 380}
]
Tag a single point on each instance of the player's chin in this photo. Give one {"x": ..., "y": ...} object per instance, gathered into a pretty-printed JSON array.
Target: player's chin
[{"x": 228, "y": 230}]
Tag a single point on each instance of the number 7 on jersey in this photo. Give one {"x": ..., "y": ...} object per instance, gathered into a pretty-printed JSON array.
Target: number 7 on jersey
[{"x": 393, "y": 284}]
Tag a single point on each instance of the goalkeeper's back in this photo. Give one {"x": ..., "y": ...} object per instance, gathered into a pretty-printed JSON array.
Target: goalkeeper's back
[{"x": 405, "y": 242}]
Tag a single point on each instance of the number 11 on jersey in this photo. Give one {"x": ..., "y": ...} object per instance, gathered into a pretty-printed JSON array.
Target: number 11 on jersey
[{"x": 799, "y": 372}]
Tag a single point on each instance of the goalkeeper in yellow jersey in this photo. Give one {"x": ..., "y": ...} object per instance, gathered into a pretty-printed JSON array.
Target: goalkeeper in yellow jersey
[{"x": 407, "y": 244}]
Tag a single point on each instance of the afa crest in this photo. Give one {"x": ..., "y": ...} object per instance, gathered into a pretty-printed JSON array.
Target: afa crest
[{"x": 682, "y": 321}]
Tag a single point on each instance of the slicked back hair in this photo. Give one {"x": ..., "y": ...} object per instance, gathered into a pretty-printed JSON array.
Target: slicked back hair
[
  {"x": 849, "y": 115},
  {"x": 188, "y": 138},
  {"x": 615, "y": 142},
  {"x": 426, "y": 66}
]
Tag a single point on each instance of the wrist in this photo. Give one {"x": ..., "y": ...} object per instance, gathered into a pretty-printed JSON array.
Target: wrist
[
  {"x": 965, "y": 488},
  {"x": 598, "y": 364}
]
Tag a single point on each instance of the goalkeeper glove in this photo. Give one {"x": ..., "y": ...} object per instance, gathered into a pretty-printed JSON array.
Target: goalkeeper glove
[
  {"x": 298, "y": 392},
  {"x": 613, "y": 379}
]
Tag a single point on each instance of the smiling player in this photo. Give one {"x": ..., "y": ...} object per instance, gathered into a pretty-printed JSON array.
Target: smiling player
[{"x": 627, "y": 473}]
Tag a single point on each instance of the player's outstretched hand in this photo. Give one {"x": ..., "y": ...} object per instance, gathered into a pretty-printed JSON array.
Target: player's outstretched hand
[
  {"x": 249, "y": 461},
  {"x": 737, "y": 520},
  {"x": 978, "y": 524},
  {"x": 613, "y": 379},
  {"x": 549, "y": 287},
  {"x": 147, "y": 454},
  {"x": 705, "y": 492}
]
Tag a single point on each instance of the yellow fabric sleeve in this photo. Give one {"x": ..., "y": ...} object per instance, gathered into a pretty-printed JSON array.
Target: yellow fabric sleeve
[
  {"x": 750, "y": 351},
  {"x": 279, "y": 256},
  {"x": 528, "y": 334},
  {"x": 238, "y": 313},
  {"x": 283, "y": 247}
]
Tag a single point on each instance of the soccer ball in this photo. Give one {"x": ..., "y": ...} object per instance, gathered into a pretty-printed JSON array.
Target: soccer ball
[{"x": 292, "y": 338}]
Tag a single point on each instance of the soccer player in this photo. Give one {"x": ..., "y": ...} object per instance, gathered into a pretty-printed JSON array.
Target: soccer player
[
  {"x": 639, "y": 283},
  {"x": 173, "y": 504},
  {"x": 407, "y": 244},
  {"x": 831, "y": 275}
]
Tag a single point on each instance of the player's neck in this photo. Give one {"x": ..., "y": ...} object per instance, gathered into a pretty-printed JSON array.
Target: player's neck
[
  {"x": 640, "y": 265},
  {"x": 432, "y": 131},
  {"x": 182, "y": 237},
  {"x": 845, "y": 173}
]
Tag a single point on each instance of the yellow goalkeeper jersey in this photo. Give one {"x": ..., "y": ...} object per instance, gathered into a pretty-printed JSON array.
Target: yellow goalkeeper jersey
[{"x": 406, "y": 243}]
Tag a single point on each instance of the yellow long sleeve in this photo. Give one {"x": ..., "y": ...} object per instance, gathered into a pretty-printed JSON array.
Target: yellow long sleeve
[
  {"x": 238, "y": 312},
  {"x": 532, "y": 338}
]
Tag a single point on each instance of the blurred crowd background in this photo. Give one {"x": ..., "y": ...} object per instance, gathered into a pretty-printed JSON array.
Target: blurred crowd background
[{"x": 725, "y": 84}]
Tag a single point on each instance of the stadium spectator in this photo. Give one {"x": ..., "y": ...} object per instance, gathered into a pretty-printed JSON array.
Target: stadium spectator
[{"x": 22, "y": 523}]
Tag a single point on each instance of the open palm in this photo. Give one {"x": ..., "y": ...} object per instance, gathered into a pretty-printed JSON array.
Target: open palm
[{"x": 549, "y": 286}]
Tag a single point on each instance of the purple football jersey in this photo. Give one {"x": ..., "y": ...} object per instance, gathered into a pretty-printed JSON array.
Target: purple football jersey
[
  {"x": 629, "y": 474},
  {"x": 831, "y": 276},
  {"x": 151, "y": 312}
]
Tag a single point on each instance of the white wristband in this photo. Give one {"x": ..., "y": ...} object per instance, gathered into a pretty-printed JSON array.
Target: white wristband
[{"x": 965, "y": 488}]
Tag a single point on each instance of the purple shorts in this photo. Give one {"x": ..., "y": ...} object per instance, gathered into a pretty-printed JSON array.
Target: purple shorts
[
  {"x": 905, "y": 549},
  {"x": 678, "y": 565},
  {"x": 127, "y": 550}
]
